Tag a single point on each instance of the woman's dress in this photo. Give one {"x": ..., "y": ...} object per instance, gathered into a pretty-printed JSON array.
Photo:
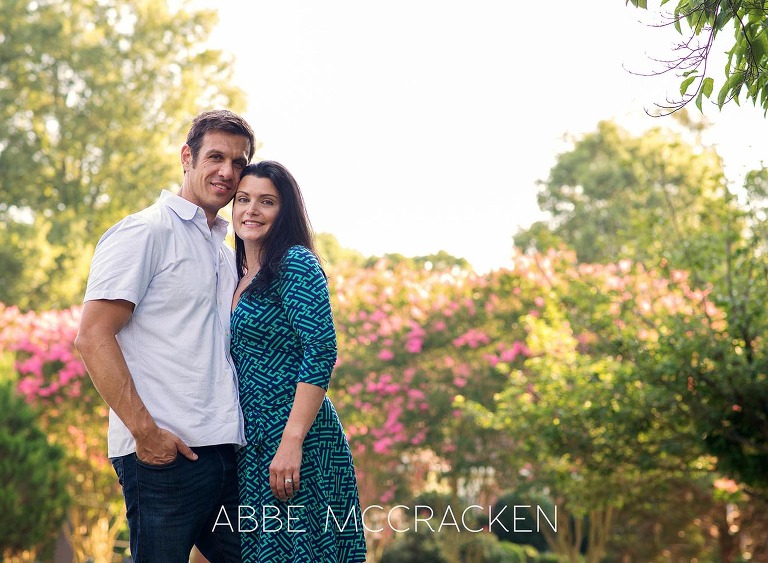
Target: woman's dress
[{"x": 279, "y": 339}]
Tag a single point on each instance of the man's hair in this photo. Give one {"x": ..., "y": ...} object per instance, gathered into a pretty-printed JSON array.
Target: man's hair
[{"x": 218, "y": 120}]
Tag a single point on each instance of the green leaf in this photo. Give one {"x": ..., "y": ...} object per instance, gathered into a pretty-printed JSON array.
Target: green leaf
[
  {"x": 723, "y": 94},
  {"x": 685, "y": 84},
  {"x": 707, "y": 86},
  {"x": 722, "y": 18}
]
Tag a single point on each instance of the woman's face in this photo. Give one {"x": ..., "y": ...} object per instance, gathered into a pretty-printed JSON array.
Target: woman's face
[{"x": 255, "y": 208}]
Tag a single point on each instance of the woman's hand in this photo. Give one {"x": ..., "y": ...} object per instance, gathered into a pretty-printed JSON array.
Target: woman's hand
[{"x": 285, "y": 469}]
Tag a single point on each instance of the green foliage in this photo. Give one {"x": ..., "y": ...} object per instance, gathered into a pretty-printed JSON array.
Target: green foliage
[
  {"x": 413, "y": 547},
  {"x": 520, "y": 526},
  {"x": 441, "y": 261},
  {"x": 655, "y": 523},
  {"x": 647, "y": 197},
  {"x": 33, "y": 497},
  {"x": 539, "y": 236},
  {"x": 590, "y": 422},
  {"x": 333, "y": 254},
  {"x": 660, "y": 201},
  {"x": 485, "y": 548},
  {"x": 48, "y": 373},
  {"x": 95, "y": 100},
  {"x": 746, "y": 70}
]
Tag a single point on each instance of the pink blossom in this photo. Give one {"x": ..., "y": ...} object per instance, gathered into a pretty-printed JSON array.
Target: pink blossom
[
  {"x": 33, "y": 365},
  {"x": 28, "y": 387},
  {"x": 492, "y": 359},
  {"x": 382, "y": 446},
  {"x": 418, "y": 438},
  {"x": 415, "y": 394},
  {"x": 413, "y": 345},
  {"x": 510, "y": 354},
  {"x": 727, "y": 485},
  {"x": 472, "y": 338},
  {"x": 387, "y": 497},
  {"x": 378, "y": 316},
  {"x": 386, "y": 355}
]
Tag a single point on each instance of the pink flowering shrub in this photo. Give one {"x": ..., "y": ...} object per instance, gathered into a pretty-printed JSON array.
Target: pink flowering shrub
[
  {"x": 53, "y": 380},
  {"x": 411, "y": 343}
]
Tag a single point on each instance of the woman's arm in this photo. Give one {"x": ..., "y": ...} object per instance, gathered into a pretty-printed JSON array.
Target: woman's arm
[
  {"x": 304, "y": 292},
  {"x": 287, "y": 461}
]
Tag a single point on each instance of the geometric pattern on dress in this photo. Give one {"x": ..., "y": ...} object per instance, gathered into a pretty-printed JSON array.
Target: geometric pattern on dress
[{"x": 277, "y": 343}]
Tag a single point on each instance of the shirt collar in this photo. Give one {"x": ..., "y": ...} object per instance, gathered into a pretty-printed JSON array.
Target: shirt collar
[{"x": 187, "y": 210}]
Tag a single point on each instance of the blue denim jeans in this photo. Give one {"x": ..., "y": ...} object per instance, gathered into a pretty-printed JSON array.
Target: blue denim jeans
[{"x": 172, "y": 507}]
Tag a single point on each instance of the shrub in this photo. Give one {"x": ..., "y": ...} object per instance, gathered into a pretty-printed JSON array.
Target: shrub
[
  {"x": 486, "y": 548},
  {"x": 414, "y": 547},
  {"x": 33, "y": 498}
]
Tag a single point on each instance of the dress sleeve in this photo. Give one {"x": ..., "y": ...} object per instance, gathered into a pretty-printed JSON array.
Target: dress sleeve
[{"x": 304, "y": 293}]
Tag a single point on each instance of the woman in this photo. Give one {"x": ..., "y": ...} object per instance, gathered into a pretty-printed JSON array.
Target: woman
[{"x": 297, "y": 483}]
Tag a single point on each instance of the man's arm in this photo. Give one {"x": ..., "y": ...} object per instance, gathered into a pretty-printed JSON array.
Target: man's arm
[{"x": 100, "y": 322}]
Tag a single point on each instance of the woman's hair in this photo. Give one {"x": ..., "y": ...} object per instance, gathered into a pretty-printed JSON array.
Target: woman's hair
[{"x": 291, "y": 227}]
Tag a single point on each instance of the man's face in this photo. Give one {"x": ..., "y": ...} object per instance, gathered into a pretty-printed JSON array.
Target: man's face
[{"x": 211, "y": 180}]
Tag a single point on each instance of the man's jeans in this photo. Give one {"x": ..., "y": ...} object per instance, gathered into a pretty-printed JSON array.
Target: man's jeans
[{"x": 172, "y": 507}]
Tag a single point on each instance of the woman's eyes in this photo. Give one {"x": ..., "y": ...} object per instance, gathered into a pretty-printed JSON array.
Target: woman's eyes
[{"x": 268, "y": 202}]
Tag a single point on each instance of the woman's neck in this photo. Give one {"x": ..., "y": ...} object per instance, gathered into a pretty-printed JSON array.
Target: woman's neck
[{"x": 252, "y": 258}]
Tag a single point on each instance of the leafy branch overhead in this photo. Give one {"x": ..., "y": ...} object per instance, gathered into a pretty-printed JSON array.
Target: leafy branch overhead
[{"x": 702, "y": 22}]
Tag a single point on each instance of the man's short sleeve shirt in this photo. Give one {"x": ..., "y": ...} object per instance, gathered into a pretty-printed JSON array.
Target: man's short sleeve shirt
[{"x": 180, "y": 276}]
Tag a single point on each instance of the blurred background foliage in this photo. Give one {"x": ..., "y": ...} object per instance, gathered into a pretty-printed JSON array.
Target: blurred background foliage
[{"x": 613, "y": 375}]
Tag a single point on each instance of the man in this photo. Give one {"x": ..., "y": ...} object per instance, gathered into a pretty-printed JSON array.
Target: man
[{"x": 154, "y": 336}]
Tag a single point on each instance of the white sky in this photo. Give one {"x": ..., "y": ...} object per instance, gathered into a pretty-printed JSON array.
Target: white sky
[{"x": 415, "y": 126}]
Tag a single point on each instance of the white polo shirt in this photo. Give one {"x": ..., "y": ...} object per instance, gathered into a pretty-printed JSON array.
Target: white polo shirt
[{"x": 180, "y": 276}]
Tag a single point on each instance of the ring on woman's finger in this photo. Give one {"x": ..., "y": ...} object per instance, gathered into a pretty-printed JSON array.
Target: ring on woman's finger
[{"x": 289, "y": 480}]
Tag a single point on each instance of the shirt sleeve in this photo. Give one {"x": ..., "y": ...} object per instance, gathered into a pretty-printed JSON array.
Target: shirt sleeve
[
  {"x": 304, "y": 293},
  {"x": 123, "y": 263}
]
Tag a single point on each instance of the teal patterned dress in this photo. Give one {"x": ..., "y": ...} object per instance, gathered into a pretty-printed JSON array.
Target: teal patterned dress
[{"x": 279, "y": 339}]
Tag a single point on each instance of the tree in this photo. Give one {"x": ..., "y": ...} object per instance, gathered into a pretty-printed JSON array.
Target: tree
[
  {"x": 664, "y": 204},
  {"x": 701, "y": 23},
  {"x": 33, "y": 499},
  {"x": 649, "y": 197},
  {"x": 95, "y": 100},
  {"x": 589, "y": 423},
  {"x": 333, "y": 254}
]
